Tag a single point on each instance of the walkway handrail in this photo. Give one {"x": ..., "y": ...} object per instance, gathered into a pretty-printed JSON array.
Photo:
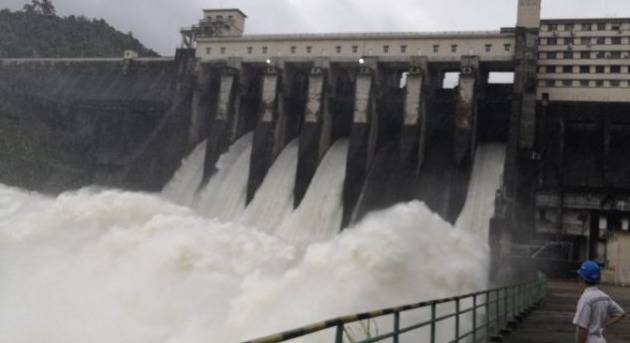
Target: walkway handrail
[{"x": 500, "y": 307}]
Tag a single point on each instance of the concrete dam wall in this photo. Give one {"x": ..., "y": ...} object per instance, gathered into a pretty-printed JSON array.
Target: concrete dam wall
[{"x": 112, "y": 122}]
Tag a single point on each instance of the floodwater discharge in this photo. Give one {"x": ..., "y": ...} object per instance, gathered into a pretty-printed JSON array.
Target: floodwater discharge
[{"x": 112, "y": 266}]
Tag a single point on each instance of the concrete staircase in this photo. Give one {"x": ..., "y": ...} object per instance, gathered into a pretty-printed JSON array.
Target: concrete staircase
[{"x": 551, "y": 321}]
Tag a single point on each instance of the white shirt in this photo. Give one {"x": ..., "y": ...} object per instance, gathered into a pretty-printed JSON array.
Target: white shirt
[{"x": 593, "y": 310}]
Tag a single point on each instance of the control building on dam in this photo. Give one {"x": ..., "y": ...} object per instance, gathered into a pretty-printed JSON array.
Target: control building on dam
[{"x": 565, "y": 120}]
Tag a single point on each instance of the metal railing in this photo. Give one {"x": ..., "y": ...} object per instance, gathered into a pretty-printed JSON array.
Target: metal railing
[{"x": 476, "y": 317}]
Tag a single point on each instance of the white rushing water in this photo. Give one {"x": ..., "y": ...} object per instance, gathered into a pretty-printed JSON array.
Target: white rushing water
[
  {"x": 485, "y": 180},
  {"x": 319, "y": 215},
  {"x": 184, "y": 184},
  {"x": 225, "y": 195},
  {"x": 113, "y": 266},
  {"x": 274, "y": 199}
]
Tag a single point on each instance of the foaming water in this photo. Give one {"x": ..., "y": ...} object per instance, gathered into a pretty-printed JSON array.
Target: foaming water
[
  {"x": 319, "y": 215},
  {"x": 274, "y": 199},
  {"x": 485, "y": 180},
  {"x": 184, "y": 184},
  {"x": 127, "y": 267},
  {"x": 225, "y": 195}
]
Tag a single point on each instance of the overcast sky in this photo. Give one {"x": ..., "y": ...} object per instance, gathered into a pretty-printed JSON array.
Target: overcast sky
[{"x": 156, "y": 22}]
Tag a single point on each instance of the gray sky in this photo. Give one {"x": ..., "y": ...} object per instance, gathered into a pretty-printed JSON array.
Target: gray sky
[{"x": 156, "y": 22}]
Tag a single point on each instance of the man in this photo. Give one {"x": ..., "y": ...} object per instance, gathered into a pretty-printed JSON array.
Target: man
[{"x": 595, "y": 310}]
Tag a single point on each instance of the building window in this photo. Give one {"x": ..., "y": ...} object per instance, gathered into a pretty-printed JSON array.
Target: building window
[
  {"x": 615, "y": 27},
  {"x": 208, "y": 51},
  {"x": 403, "y": 49},
  {"x": 436, "y": 48},
  {"x": 600, "y": 54},
  {"x": 338, "y": 49},
  {"x": 552, "y": 41},
  {"x": 568, "y": 41},
  {"x": 599, "y": 83},
  {"x": 508, "y": 47},
  {"x": 222, "y": 50},
  {"x": 569, "y": 27},
  {"x": 386, "y": 49},
  {"x": 550, "y": 83},
  {"x": 355, "y": 49},
  {"x": 585, "y": 69},
  {"x": 615, "y": 54},
  {"x": 553, "y": 27},
  {"x": 601, "y": 27},
  {"x": 587, "y": 27},
  {"x": 614, "y": 83},
  {"x": 250, "y": 50},
  {"x": 568, "y": 55},
  {"x": 551, "y": 55},
  {"x": 567, "y": 69},
  {"x": 454, "y": 48},
  {"x": 309, "y": 49},
  {"x": 566, "y": 83},
  {"x": 293, "y": 49},
  {"x": 600, "y": 69},
  {"x": 488, "y": 47},
  {"x": 615, "y": 69},
  {"x": 550, "y": 69},
  {"x": 265, "y": 49},
  {"x": 615, "y": 40},
  {"x": 542, "y": 55},
  {"x": 601, "y": 40},
  {"x": 585, "y": 41},
  {"x": 584, "y": 83},
  {"x": 585, "y": 55}
]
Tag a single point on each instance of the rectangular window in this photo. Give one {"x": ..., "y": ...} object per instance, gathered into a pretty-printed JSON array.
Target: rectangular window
[
  {"x": 403, "y": 49},
  {"x": 599, "y": 69},
  {"x": 386, "y": 49},
  {"x": 615, "y": 40},
  {"x": 355, "y": 49},
  {"x": 601, "y": 27},
  {"x": 615, "y": 27},
  {"x": 250, "y": 50},
  {"x": 568, "y": 41},
  {"x": 550, "y": 83},
  {"x": 338, "y": 49},
  {"x": 601, "y": 40},
  {"x": 614, "y": 83},
  {"x": 454, "y": 48},
  {"x": 508, "y": 47},
  {"x": 584, "y": 83},
  {"x": 567, "y": 83},
  {"x": 309, "y": 49},
  {"x": 293, "y": 49},
  {"x": 615, "y": 54},
  {"x": 488, "y": 47},
  {"x": 585, "y": 69},
  {"x": 222, "y": 51},
  {"x": 585, "y": 55},
  {"x": 569, "y": 27},
  {"x": 553, "y": 27},
  {"x": 599, "y": 83},
  {"x": 436, "y": 48},
  {"x": 615, "y": 69},
  {"x": 208, "y": 51},
  {"x": 567, "y": 69},
  {"x": 587, "y": 27},
  {"x": 568, "y": 55},
  {"x": 550, "y": 69},
  {"x": 600, "y": 54},
  {"x": 265, "y": 49},
  {"x": 552, "y": 41},
  {"x": 585, "y": 41},
  {"x": 551, "y": 55}
]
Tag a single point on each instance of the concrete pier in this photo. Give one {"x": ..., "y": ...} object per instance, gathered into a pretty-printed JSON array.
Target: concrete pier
[
  {"x": 413, "y": 134},
  {"x": 200, "y": 104},
  {"x": 314, "y": 141},
  {"x": 362, "y": 141},
  {"x": 264, "y": 147},
  {"x": 466, "y": 111}
]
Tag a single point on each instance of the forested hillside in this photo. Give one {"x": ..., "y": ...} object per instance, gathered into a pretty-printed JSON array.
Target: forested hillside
[{"x": 37, "y": 31}]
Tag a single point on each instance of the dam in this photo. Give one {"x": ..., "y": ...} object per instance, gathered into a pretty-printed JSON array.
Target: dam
[{"x": 258, "y": 168}]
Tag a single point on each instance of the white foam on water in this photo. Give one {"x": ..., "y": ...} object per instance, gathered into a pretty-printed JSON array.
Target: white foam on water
[
  {"x": 274, "y": 199},
  {"x": 320, "y": 213},
  {"x": 225, "y": 195},
  {"x": 485, "y": 180},
  {"x": 184, "y": 184}
]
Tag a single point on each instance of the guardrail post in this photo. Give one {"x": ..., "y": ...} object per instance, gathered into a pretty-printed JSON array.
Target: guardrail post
[
  {"x": 457, "y": 310},
  {"x": 339, "y": 334},
  {"x": 498, "y": 312},
  {"x": 433, "y": 305},
  {"x": 487, "y": 306},
  {"x": 474, "y": 318},
  {"x": 396, "y": 326}
]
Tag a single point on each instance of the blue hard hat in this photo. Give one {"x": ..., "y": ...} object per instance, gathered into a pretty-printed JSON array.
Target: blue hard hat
[{"x": 590, "y": 272}]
